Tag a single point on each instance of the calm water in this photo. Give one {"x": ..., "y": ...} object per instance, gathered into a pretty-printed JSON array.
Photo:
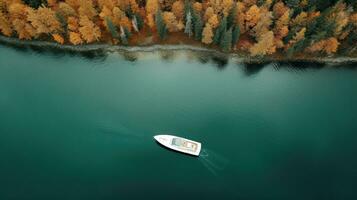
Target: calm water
[{"x": 74, "y": 127}]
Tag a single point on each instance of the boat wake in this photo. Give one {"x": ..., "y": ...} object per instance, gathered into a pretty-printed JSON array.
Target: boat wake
[{"x": 214, "y": 162}]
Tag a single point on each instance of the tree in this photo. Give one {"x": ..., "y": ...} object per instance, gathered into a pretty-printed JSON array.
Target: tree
[
  {"x": 86, "y": 8},
  {"x": 35, "y": 3},
  {"x": 208, "y": 14},
  {"x": 264, "y": 46},
  {"x": 66, "y": 10},
  {"x": 72, "y": 24},
  {"x": 213, "y": 21},
  {"x": 170, "y": 21},
  {"x": 160, "y": 25},
  {"x": 58, "y": 38},
  {"x": 222, "y": 28},
  {"x": 5, "y": 26},
  {"x": 252, "y": 17},
  {"x": 75, "y": 38},
  {"x": 178, "y": 9},
  {"x": 89, "y": 31},
  {"x": 188, "y": 26},
  {"x": 263, "y": 24},
  {"x": 232, "y": 15},
  {"x": 44, "y": 20},
  {"x": 198, "y": 27},
  {"x": 226, "y": 41},
  {"x": 207, "y": 34},
  {"x": 235, "y": 35},
  {"x": 292, "y": 3},
  {"x": 112, "y": 28}
]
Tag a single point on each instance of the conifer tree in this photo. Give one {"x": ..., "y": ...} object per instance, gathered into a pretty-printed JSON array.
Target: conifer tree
[
  {"x": 188, "y": 26},
  {"x": 198, "y": 27},
  {"x": 235, "y": 35},
  {"x": 220, "y": 31},
  {"x": 112, "y": 28},
  {"x": 226, "y": 41},
  {"x": 160, "y": 25}
]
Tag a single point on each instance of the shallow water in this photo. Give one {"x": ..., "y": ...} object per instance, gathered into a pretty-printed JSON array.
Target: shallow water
[{"x": 81, "y": 127}]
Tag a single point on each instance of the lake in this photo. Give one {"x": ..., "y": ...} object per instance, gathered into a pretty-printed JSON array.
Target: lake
[{"x": 81, "y": 127}]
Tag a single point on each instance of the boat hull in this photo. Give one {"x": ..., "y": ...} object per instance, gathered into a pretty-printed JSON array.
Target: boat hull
[{"x": 179, "y": 144}]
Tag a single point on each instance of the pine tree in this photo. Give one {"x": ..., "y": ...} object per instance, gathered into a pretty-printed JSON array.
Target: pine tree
[
  {"x": 160, "y": 25},
  {"x": 232, "y": 15},
  {"x": 226, "y": 41},
  {"x": 198, "y": 28},
  {"x": 188, "y": 26},
  {"x": 112, "y": 28},
  {"x": 235, "y": 35},
  {"x": 123, "y": 36},
  {"x": 220, "y": 31}
]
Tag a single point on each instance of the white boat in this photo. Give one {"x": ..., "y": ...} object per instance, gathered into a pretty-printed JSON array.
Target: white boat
[{"x": 179, "y": 144}]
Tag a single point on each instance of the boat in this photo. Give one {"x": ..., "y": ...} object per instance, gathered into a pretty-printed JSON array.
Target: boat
[{"x": 179, "y": 144}]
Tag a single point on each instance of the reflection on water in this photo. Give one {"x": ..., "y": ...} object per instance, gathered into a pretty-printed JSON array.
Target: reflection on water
[{"x": 214, "y": 162}]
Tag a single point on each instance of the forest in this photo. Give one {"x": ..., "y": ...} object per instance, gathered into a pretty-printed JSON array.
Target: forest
[{"x": 251, "y": 27}]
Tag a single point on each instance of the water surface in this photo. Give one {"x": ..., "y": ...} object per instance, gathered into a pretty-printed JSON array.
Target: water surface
[{"x": 81, "y": 127}]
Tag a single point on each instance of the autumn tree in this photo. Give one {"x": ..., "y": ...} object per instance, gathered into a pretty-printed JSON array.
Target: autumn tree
[
  {"x": 252, "y": 17},
  {"x": 178, "y": 9},
  {"x": 88, "y": 30},
  {"x": 44, "y": 20},
  {"x": 58, "y": 38},
  {"x": 75, "y": 38},
  {"x": 86, "y": 8},
  {"x": 152, "y": 7},
  {"x": 5, "y": 26},
  {"x": 170, "y": 21},
  {"x": 264, "y": 46},
  {"x": 207, "y": 34}
]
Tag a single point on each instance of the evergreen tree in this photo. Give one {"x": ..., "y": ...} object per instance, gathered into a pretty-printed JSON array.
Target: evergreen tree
[
  {"x": 62, "y": 21},
  {"x": 231, "y": 18},
  {"x": 198, "y": 28},
  {"x": 226, "y": 41},
  {"x": 123, "y": 36},
  {"x": 220, "y": 31},
  {"x": 139, "y": 21},
  {"x": 112, "y": 28},
  {"x": 187, "y": 9},
  {"x": 188, "y": 26},
  {"x": 35, "y": 3},
  {"x": 235, "y": 35},
  {"x": 160, "y": 25}
]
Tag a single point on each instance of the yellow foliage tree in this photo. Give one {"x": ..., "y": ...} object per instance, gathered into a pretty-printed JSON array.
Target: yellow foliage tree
[
  {"x": 264, "y": 46},
  {"x": 227, "y": 6},
  {"x": 72, "y": 24},
  {"x": 75, "y": 38},
  {"x": 66, "y": 10},
  {"x": 178, "y": 9},
  {"x": 44, "y": 20},
  {"x": 208, "y": 14},
  {"x": 86, "y": 8},
  {"x": 263, "y": 24},
  {"x": 58, "y": 38},
  {"x": 331, "y": 45},
  {"x": 252, "y": 16},
  {"x": 170, "y": 21},
  {"x": 300, "y": 20},
  {"x": 279, "y": 9},
  {"x": 207, "y": 34},
  {"x": 197, "y": 7},
  {"x": 5, "y": 26},
  {"x": 214, "y": 21},
  {"x": 88, "y": 30}
]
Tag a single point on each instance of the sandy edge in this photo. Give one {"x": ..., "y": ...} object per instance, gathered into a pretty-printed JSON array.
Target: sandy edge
[{"x": 180, "y": 47}]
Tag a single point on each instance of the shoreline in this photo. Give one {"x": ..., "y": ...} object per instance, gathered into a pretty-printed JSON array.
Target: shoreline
[{"x": 158, "y": 47}]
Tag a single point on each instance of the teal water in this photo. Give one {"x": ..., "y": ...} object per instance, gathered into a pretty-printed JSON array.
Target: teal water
[{"x": 75, "y": 127}]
